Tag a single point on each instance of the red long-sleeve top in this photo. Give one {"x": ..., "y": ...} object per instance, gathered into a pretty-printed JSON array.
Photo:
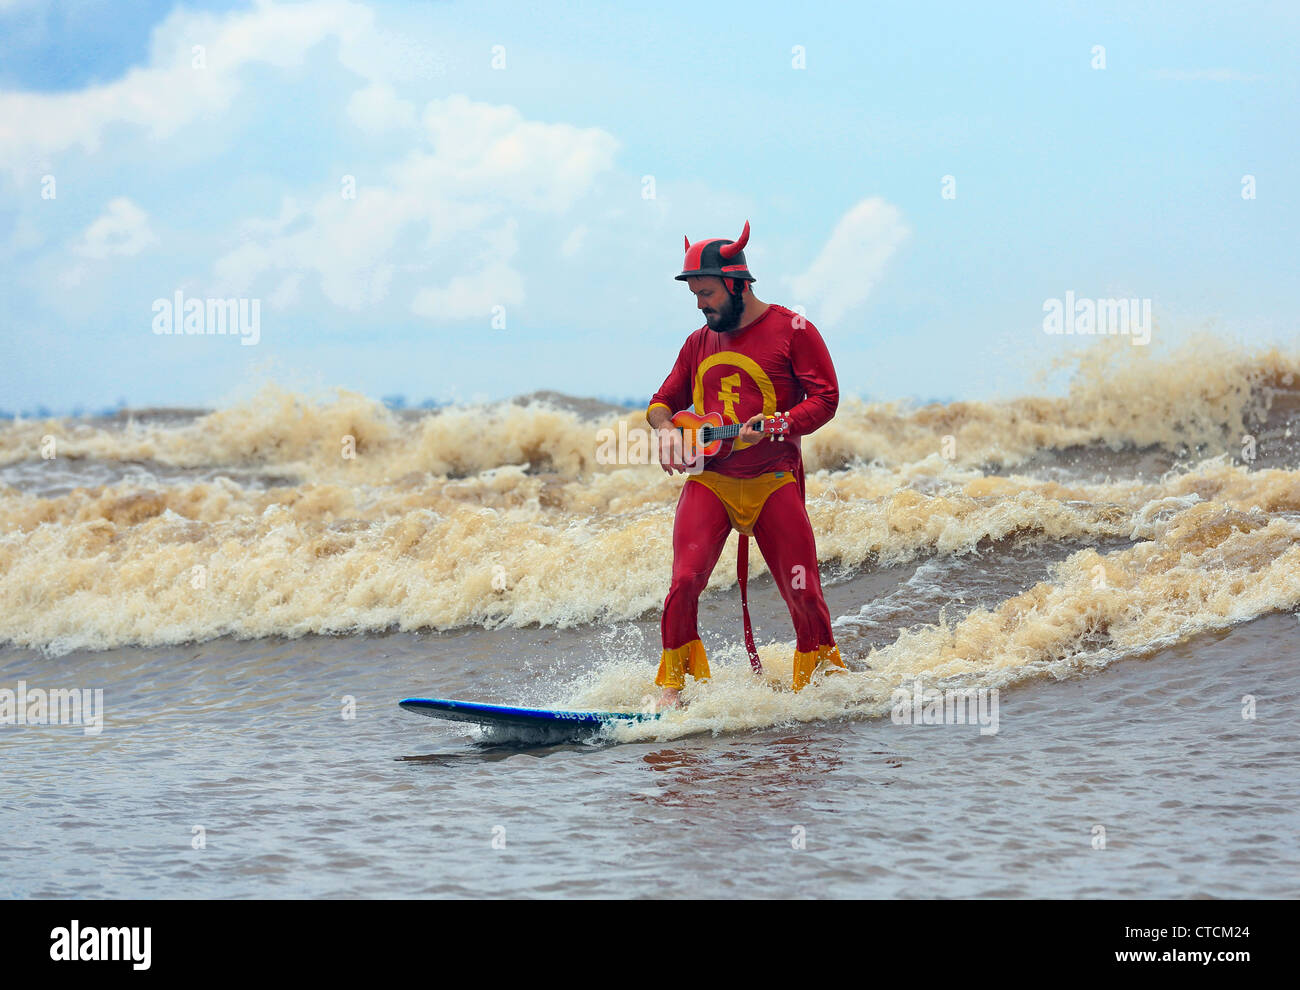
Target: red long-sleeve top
[{"x": 777, "y": 363}]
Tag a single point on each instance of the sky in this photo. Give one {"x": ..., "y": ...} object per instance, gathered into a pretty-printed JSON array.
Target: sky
[{"x": 469, "y": 201}]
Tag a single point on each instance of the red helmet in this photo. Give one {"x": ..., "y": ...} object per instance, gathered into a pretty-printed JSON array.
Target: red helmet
[{"x": 723, "y": 258}]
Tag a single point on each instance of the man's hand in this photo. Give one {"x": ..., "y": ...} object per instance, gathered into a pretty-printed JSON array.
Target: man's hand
[
  {"x": 668, "y": 441},
  {"x": 748, "y": 434}
]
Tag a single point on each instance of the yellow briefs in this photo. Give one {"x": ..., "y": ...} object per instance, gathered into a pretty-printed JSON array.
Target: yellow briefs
[{"x": 743, "y": 498}]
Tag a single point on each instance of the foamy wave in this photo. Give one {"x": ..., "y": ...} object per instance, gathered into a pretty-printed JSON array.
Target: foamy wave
[
  {"x": 1209, "y": 567},
  {"x": 115, "y": 566},
  {"x": 1202, "y": 397},
  {"x": 366, "y": 520}
]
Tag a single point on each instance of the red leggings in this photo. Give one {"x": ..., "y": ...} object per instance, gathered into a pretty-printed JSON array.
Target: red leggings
[{"x": 785, "y": 538}]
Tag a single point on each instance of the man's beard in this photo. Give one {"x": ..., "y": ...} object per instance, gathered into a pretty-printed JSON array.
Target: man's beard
[{"x": 728, "y": 318}]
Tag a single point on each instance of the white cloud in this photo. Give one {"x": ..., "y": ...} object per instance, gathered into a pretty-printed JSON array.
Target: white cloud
[
  {"x": 170, "y": 92},
  {"x": 573, "y": 243},
  {"x": 348, "y": 243},
  {"x": 473, "y": 295},
  {"x": 843, "y": 274},
  {"x": 70, "y": 277},
  {"x": 286, "y": 293},
  {"x": 122, "y": 231},
  {"x": 376, "y": 109},
  {"x": 431, "y": 211},
  {"x": 491, "y": 150},
  {"x": 423, "y": 231}
]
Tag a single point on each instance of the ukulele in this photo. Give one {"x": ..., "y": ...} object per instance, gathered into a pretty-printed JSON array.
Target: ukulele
[{"x": 708, "y": 438}]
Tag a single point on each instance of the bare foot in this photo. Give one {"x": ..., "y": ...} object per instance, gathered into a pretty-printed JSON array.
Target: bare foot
[{"x": 669, "y": 698}]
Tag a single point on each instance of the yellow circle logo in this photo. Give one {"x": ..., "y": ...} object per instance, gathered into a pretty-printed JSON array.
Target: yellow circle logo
[{"x": 729, "y": 386}]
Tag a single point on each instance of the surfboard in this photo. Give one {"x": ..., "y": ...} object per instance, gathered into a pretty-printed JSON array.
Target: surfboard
[{"x": 532, "y": 724}]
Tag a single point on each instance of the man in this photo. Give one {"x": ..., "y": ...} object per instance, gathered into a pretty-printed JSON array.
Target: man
[{"x": 751, "y": 360}]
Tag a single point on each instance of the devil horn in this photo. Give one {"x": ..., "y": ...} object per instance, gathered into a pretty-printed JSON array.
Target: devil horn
[
  {"x": 688, "y": 241},
  {"x": 729, "y": 251}
]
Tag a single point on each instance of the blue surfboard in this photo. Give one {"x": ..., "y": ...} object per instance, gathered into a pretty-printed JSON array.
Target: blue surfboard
[{"x": 531, "y": 724}]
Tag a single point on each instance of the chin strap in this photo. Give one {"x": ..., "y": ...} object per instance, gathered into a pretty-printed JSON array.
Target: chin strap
[{"x": 742, "y": 576}]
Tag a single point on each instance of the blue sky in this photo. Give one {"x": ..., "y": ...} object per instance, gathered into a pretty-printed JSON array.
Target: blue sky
[{"x": 523, "y": 185}]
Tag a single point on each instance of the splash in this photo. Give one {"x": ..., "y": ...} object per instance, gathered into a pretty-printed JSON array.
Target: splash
[
  {"x": 1205, "y": 567},
  {"x": 287, "y": 516}
]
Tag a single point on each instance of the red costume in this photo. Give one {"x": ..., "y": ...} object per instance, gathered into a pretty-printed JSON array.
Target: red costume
[{"x": 778, "y": 362}]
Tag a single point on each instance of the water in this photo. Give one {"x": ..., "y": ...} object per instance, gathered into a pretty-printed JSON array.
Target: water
[
  {"x": 1111, "y": 564},
  {"x": 248, "y": 741}
]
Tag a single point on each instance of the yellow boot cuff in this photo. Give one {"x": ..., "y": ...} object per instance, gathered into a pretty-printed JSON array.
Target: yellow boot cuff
[
  {"x": 831, "y": 654},
  {"x": 675, "y": 664},
  {"x": 807, "y": 661}
]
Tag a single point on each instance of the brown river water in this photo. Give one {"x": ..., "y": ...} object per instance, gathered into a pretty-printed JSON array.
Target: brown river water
[{"x": 1116, "y": 572}]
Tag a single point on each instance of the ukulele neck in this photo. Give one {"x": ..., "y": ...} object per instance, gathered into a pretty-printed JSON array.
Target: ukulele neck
[{"x": 710, "y": 433}]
